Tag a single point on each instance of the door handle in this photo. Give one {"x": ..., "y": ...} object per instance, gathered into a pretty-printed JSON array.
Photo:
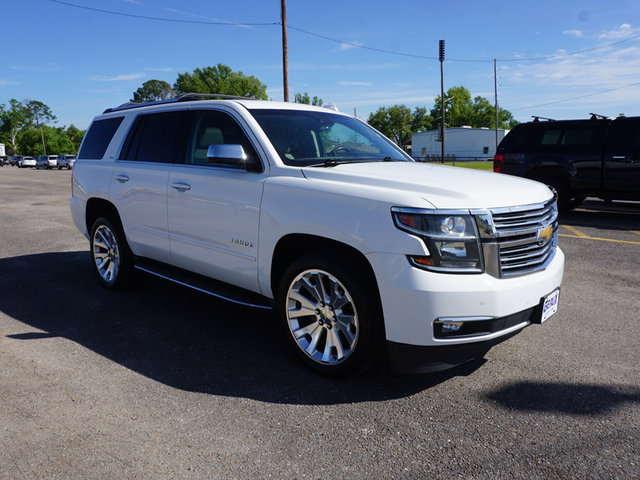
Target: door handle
[
  {"x": 618, "y": 157},
  {"x": 181, "y": 187},
  {"x": 122, "y": 178}
]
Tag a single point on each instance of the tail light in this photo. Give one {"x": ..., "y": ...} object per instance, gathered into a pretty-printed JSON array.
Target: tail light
[{"x": 497, "y": 162}]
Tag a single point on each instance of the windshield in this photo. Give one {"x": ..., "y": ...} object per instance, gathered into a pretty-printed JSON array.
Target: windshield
[{"x": 307, "y": 138}]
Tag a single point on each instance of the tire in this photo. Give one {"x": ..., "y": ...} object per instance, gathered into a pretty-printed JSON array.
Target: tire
[
  {"x": 331, "y": 314},
  {"x": 561, "y": 188},
  {"x": 110, "y": 254}
]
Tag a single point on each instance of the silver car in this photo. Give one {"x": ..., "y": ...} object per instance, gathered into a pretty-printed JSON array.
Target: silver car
[
  {"x": 47, "y": 161},
  {"x": 66, "y": 161}
]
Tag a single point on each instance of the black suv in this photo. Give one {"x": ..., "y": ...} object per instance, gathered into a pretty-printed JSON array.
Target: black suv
[{"x": 599, "y": 157}]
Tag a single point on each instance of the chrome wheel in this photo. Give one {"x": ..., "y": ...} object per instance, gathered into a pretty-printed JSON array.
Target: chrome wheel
[
  {"x": 106, "y": 254},
  {"x": 322, "y": 317}
]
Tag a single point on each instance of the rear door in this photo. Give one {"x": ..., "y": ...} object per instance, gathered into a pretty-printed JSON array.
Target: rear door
[
  {"x": 154, "y": 144},
  {"x": 621, "y": 171}
]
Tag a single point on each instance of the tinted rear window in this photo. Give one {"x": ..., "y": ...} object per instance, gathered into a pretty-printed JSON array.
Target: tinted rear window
[
  {"x": 549, "y": 134},
  {"x": 157, "y": 137},
  {"x": 98, "y": 138}
]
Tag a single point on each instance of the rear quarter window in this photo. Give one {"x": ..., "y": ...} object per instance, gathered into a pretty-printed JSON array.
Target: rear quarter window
[{"x": 98, "y": 138}]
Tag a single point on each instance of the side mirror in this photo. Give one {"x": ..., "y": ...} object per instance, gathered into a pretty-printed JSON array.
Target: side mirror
[
  {"x": 230, "y": 155},
  {"x": 229, "y": 152}
]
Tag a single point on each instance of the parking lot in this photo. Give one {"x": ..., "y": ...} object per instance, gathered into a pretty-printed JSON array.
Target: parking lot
[{"x": 163, "y": 382}]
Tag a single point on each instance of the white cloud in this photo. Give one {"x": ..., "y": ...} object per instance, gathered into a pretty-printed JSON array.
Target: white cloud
[
  {"x": 150, "y": 69},
  {"x": 118, "y": 78},
  {"x": 349, "y": 46},
  {"x": 4, "y": 83},
  {"x": 574, "y": 33},
  {"x": 623, "y": 31}
]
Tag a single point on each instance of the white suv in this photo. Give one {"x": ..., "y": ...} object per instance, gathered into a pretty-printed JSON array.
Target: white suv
[{"x": 361, "y": 251}]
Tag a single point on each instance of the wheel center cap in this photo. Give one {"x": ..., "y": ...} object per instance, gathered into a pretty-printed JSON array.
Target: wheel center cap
[{"x": 327, "y": 314}]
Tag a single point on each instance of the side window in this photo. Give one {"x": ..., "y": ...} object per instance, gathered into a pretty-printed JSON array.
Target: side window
[
  {"x": 212, "y": 127},
  {"x": 98, "y": 137},
  {"x": 157, "y": 137},
  {"x": 577, "y": 136},
  {"x": 551, "y": 136},
  {"x": 625, "y": 134}
]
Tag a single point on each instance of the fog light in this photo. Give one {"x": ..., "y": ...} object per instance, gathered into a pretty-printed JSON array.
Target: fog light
[{"x": 451, "y": 327}]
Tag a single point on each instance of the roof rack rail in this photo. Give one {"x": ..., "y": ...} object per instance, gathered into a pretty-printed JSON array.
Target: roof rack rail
[
  {"x": 597, "y": 116},
  {"x": 537, "y": 118},
  {"x": 184, "y": 97},
  {"x": 190, "y": 97}
]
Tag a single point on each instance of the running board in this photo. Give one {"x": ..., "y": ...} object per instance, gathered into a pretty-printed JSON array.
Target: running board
[{"x": 200, "y": 283}]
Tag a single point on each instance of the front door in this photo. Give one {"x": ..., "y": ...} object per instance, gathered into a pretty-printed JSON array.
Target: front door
[
  {"x": 621, "y": 173},
  {"x": 214, "y": 207}
]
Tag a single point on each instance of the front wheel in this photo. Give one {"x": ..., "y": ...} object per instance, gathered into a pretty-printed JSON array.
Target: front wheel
[
  {"x": 331, "y": 314},
  {"x": 112, "y": 258}
]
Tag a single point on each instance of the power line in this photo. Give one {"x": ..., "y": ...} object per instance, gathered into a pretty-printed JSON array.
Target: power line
[
  {"x": 342, "y": 42},
  {"x": 423, "y": 57},
  {"x": 380, "y": 50},
  {"x": 578, "y": 97},
  {"x": 161, "y": 19}
]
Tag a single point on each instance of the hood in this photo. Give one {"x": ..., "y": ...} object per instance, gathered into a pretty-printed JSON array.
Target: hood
[{"x": 439, "y": 185}]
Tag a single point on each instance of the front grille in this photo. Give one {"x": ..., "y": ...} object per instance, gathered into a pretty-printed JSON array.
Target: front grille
[{"x": 526, "y": 237}]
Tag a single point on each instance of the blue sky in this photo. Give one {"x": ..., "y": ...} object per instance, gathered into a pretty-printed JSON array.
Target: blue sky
[{"x": 80, "y": 62}]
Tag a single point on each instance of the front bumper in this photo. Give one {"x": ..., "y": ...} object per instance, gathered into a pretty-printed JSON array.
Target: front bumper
[
  {"x": 415, "y": 359},
  {"x": 414, "y": 301}
]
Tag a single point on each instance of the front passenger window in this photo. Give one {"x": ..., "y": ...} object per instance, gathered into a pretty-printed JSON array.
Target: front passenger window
[{"x": 218, "y": 128}]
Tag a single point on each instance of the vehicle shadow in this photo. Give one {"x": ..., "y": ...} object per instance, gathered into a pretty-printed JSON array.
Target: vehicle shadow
[
  {"x": 180, "y": 337},
  {"x": 566, "y": 398},
  {"x": 600, "y": 214}
]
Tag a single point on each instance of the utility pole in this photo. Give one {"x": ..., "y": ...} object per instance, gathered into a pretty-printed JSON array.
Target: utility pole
[
  {"x": 495, "y": 86},
  {"x": 442, "y": 125},
  {"x": 285, "y": 65}
]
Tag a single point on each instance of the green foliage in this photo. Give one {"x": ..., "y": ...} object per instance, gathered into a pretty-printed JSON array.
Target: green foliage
[
  {"x": 13, "y": 119},
  {"x": 461, "y": 110},
  {"x": 304, "y": 98},
  {"x": 153, "y": 91},
  {"x": 58, "y": 140},
  {"x": 220, "y": 79},
  {"x": 398, "y": 122},
  {"x": 38, "y": 113}
]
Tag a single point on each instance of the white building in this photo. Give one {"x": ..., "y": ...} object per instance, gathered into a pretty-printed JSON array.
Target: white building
[
  {"x": 465, "y": 143},
  {"x": 2, "y": 152}
]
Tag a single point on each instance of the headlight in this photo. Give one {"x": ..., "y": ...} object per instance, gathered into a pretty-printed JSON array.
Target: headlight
[{"x": 450, "y": 237}]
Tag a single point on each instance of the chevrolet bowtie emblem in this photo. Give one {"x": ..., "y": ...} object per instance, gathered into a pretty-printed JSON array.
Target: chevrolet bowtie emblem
[{"x": 545, "y": 234}]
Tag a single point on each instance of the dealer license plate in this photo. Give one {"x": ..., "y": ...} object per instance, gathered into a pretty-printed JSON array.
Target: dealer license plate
[{"x": 550, "y": 305}]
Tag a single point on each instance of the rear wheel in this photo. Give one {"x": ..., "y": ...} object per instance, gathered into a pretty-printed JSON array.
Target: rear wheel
[
  {"x": 112, "y": 258},
  {"x": 331, "y": 315}
]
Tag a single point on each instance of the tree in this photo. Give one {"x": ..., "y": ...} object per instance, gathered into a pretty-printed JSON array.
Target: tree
[
  {"x": 13, "y": 119},
  {"x": 222, "y": 80},
  {"x": 58, "y": 140},
  {"x": 153, "y": 91},
  {"x": 461, "y": 110},
  {"x": 304, "y": 98},
  {"x": 398, "y": 122}
]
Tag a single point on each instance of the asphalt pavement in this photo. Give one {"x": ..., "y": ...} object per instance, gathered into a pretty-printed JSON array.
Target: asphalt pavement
[{"x": 163, "y": 382}]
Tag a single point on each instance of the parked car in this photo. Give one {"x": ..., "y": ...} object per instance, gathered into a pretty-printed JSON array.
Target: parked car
[
  {"x": 47, "y": 161},
  {"x": 362, "y": 252},
  {"x": 599, "y": 157},
  {"x": 13, "y": 159},
  {"x": 24, "y": 162},
  {"x": 3, "y": 161},
  {"x": 66, "y": 161}
]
